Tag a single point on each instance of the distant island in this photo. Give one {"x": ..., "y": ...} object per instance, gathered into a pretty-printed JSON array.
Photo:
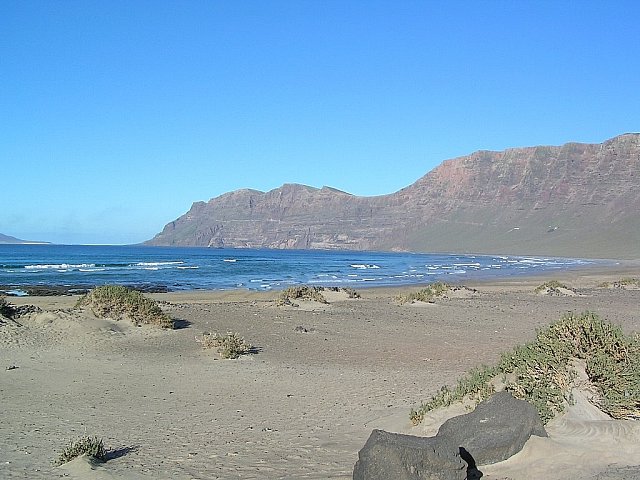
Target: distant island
[
  {"x": 9, "y": 240},
  {"x": 574, "y": 200}
]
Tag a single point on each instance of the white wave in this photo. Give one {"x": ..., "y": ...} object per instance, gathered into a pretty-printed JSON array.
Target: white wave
[
  {"x": 92, "y": 269},
  {"x": 188, "y": 268},
  {"x": 16, "y": 293},
  {"x": 230, "y": 260},
  {"x": 59, "y": 266},
  {"x": 157, "y": 264},
  {"x": 363, "y": 265}
]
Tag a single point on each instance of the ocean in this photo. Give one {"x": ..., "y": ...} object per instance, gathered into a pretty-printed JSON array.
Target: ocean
[{"x": 175, "y": 268}]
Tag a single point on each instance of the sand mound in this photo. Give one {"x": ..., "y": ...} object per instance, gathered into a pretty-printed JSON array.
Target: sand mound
[
  {"x": 88, "y": 468},
  {"x": 582, "y": 443}
]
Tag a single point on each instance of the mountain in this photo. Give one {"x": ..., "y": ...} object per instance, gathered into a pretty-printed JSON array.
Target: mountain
[
  {"x": 7, "y": 239},
  {"x": 577, "y": 200}
]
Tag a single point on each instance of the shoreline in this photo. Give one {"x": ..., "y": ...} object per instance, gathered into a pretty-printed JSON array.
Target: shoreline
[{"x": 610, "y": 268}]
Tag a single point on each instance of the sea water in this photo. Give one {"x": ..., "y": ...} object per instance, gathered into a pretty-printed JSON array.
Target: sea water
[{"x": 185, "y": 268}]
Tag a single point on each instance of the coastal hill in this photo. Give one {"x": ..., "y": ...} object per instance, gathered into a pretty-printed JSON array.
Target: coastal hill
[
  {"x": 577, "y": 200},
  {"x": 7, "y": 239}
]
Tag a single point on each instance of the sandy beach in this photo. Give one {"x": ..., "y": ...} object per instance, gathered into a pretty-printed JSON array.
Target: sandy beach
[{"x": 321, "y": 378}]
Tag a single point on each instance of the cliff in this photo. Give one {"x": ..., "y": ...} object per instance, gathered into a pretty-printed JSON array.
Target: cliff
[{"x": 572, "y": 200}]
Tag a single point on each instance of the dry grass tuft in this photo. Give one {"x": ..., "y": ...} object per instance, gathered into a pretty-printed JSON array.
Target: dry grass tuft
[
  {"x": 428, "y": 294},
  {"x": 119, "y": 301},
  {"x": 230, "y": 345},
  {"x": 300, "y": 292},
  {"x": 92, "y": 447}
]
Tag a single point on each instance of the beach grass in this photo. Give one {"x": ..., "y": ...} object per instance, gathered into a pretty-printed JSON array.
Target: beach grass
[
  {"x": 551, "y": 286},
  {"x": 229, "y": 346},
  {"x": 542, "y": 372},
  {"x": 427, "y": 294},
  {"x": 90, "y": 446},
  {"x": 120, "y": 301},
  {"x": 300, "y": 292}
]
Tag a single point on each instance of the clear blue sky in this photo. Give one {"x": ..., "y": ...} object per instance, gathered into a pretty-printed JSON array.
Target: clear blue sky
[{"x": 116, "y": 115}]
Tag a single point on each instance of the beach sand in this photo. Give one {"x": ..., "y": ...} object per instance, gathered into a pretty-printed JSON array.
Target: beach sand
[{"x": 303, "y": 404}]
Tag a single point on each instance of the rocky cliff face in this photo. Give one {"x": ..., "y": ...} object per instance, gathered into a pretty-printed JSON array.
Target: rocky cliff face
[{"x": 574, "y": 200}]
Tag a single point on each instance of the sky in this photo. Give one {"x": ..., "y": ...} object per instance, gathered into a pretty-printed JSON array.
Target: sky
[{"x": 115, "y": 116}]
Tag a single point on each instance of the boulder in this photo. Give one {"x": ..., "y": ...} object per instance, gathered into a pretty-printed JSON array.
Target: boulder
[
  {"x": 497, "y": 429},
  {"x": 388, "y": 456}
]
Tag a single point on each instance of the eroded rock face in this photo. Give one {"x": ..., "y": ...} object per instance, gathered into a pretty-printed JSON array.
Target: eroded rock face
[{"x": 574, "y": 200}]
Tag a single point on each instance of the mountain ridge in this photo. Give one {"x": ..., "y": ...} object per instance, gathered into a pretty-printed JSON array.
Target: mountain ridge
[
  {"x": 577, "y": 199},
  {"x": 9, "y": 240}
]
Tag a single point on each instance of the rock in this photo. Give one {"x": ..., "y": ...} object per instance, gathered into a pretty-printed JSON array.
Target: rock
[
  {"x": 395, "y": 456},
  {"x": 497, "y": 429}
]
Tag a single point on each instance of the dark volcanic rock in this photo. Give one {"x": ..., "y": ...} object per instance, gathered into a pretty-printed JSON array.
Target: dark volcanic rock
[
  {"x": 388, "y": 456},
  {"x": 573, "y": 200},
  {"x": 497, "y": 429}
]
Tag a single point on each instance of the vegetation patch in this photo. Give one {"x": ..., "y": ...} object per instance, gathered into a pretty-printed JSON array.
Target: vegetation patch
[
  {"x": 541, "y": 371},
  {"x": 428, "y": 294},
  {"x": 91, "y": 446},
  {"x": 119, "y": 301},
  {"x": 622, "y": 283},
  {"x": 553, "y": 287},
  {"x": 351, "y": 293},
  {"x": 230, "y": 345},
  {"x": 300, "y": 292}
]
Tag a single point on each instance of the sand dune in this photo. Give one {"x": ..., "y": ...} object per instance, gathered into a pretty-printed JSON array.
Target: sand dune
[{"x": 301, "y": 407}]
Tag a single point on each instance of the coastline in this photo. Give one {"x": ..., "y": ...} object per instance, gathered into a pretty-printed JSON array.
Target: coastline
[{"x": 323, "y": 376}]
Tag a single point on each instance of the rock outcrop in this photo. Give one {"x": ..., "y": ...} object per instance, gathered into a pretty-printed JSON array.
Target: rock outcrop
[
  {"x": 497, "y": 429},
  {"x": 572, "y": 200}
]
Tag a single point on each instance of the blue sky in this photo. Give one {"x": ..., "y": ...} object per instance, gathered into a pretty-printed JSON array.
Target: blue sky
[{"x": 116, "y": 115}]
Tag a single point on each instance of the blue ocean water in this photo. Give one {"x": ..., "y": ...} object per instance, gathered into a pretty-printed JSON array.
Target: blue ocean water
[{"x": 221, "y": 269}]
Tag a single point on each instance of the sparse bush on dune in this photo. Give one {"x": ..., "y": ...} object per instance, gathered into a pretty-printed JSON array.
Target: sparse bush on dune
[
  {"x": 351, "y": 293},
  {"x": 541, "y": 371},
  {"x": 230, "y": 345},
  {"x": 91, "y": 446},
  {"x": 428, "y": 294},
  {"x": 622, "y": 283},
  {"x": 300, "y": 292},
  {"x": 552, "y": 286},
  {"x": 314, "y": 294},
  {"x": 119, "y": 301}
]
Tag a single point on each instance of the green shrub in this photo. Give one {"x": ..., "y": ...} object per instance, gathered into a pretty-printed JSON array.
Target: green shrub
[
  {"x": 428, "y": 294},
  {"x": 541, "y": 371},
  {"x": 627, "y": 282},
  {"x": 300, "y": 292},
  {"x": 119, "y": 301},
  {"x": 230, "y": 345},
  {"x": 552, "y": 286},
  {"x": 92, "y": 447}
]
